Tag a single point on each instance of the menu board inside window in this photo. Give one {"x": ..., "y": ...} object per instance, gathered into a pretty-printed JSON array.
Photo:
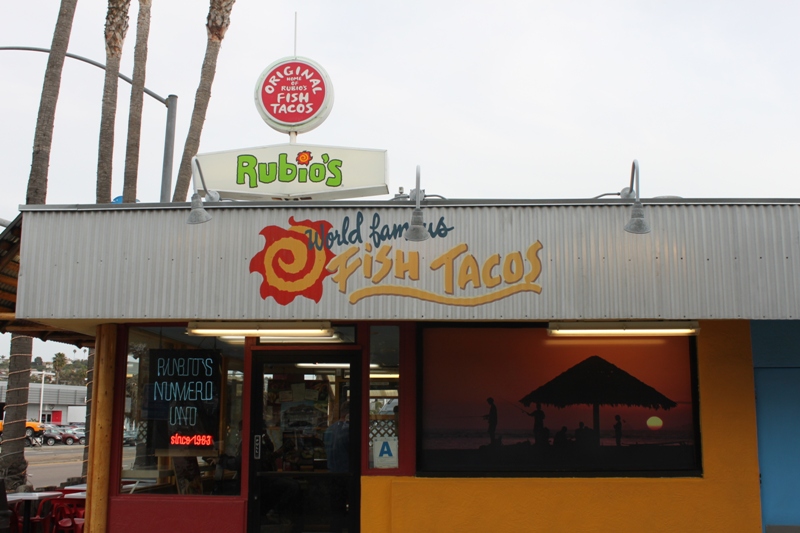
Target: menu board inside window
[
  {"x": 296, "y": 418},
  {"x": 183, "y": 399}
]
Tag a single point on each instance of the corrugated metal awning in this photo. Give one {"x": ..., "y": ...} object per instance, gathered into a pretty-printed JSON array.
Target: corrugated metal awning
[{"x": 10, "y": 243}]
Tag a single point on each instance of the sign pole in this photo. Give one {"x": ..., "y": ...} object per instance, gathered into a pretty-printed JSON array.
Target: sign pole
[{"x": 41, "y": 391}]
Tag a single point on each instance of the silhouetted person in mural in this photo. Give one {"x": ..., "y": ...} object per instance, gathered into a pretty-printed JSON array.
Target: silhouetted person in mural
[
  {"x": 539, "y": 436},
  {"x": 618, "y": 430},
  {"x": 492, "y": 418},
  {"x": 560, "y": 439},
  {"x": 544, "y": 437},
  {"x": 582, "y": 436}
]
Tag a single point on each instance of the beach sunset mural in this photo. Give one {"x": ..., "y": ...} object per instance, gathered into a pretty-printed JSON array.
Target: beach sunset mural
[{"x": 556, "y": 405}]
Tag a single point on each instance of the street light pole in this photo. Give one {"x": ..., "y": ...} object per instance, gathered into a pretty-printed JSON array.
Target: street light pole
[
  {"x": 170, "y": 101},
  {"x": 41, "y": 391}
]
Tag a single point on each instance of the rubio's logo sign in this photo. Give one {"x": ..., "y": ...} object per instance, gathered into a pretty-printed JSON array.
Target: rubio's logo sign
[
  {"x": 294, "y": 95},
  {"x": 296, "y": 261},
  {"x": 250, "y": 171},
  {"x": 294, "y": 170}
]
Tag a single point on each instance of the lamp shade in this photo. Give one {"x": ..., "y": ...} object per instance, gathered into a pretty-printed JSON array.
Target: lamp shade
[
  {"x": 198, "y": 214},
  {"x": 416, "y": 230},
  {"x": 638, "y": 223}
]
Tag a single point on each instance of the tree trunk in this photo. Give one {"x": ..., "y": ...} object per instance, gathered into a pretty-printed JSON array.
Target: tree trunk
[
  {"x": 116, "y": 27},
  {"x": 219, "y": 19},
  {"x": 43, "y": 138},
  {"x": 137, "y": 102},
  {"x": 12, "y": 460}
]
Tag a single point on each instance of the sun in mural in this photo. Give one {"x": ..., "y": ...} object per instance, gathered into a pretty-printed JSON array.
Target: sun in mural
[
  {"x": 304, "y": 158},
  {"x": 293, "y": 260}
]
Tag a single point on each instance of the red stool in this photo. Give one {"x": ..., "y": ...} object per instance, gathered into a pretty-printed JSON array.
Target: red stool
[
  {"x": 67, "y": 516},
  {"x": 13, "y": 519},
  {"x": 42, "y": 519}
]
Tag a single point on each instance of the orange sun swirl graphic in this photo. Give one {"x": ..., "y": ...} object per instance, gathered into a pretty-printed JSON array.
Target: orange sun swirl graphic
[{"x": 291, "y": 262}]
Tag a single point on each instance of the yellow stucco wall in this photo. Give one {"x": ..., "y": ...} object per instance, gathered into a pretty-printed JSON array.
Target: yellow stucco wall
[{"x": 725, "y": 499}]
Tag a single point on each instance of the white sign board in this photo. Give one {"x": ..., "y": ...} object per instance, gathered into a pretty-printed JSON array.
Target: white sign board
[
  {"x": 384, "y": 452},
  {"x": 293, "y": 171}
]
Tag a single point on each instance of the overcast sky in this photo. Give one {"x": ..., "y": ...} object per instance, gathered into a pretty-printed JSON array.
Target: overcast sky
[
  {"x": 503, "y": 100},
  {"x": 493, "y": 100}
]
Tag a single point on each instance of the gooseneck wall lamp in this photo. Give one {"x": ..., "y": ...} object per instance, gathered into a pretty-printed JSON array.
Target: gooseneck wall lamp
[
  {"x": 416, "y": 230},
  {"x": 638, "y": 223},
  {"x": 198, "y": 215}
]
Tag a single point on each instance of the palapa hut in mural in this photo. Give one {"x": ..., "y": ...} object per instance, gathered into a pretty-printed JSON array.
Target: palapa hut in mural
[{"x": 594, "y": 381}]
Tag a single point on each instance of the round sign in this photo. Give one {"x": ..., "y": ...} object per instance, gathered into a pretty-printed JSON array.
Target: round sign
[{"x": 294, "y": 94}]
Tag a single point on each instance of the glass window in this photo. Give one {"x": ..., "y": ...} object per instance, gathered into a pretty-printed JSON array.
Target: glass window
[
  {"x": 303, "y": 468},
  {"x": 384, "y": 397},
  {"x": 183, "y": 413},
  {"x": 517, "y": 402}
]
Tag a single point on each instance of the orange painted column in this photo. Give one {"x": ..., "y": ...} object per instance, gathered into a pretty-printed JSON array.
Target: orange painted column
[{"x": 100, "y": 435}]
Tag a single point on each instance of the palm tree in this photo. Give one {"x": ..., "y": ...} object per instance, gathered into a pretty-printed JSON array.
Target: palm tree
[
  {"x": 19, "y": 374},
  {"x": 59, "y": 362},
  {"x": 116, "y": 28},
  {"x": 43, "y": 138},
  {"x": 12, "y": 457},
  {"x": 219, "y": 18},
  {"x": 137, "y": 101}
]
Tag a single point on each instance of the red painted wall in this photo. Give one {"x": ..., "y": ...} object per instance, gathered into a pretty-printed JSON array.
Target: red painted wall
[{"x": 176, "y": 514}]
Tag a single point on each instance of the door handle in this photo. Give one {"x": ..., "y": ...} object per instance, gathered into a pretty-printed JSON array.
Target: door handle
[{"x": 257, "y": 447}]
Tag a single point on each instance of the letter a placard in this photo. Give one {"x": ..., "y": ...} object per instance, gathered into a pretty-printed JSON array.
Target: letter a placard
[{"x": 384, "y": 452}]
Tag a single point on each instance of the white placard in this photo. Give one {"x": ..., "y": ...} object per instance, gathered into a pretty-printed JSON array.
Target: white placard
[
  {"x": 292, "y": 172},
  {"x": 384, "y": 452}
]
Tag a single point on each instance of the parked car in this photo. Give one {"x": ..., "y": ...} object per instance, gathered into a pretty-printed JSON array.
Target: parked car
[
  {"x": 72, "y": 436},
  {"x": 51, "y": 437},
  {"x": 68, "y": 435},
  {"x": 31, "y": 428},
  {"x": 129, "y": 438},
  {"x": 80, "y": 434}
]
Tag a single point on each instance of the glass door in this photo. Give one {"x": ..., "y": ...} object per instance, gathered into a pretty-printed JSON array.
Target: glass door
[{"x": 304, "y": 459}]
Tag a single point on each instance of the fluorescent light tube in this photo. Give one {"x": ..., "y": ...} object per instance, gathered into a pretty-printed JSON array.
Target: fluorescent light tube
[
  {"x": 261, "y": 329},
  {"x": 622, "y": 329}
]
